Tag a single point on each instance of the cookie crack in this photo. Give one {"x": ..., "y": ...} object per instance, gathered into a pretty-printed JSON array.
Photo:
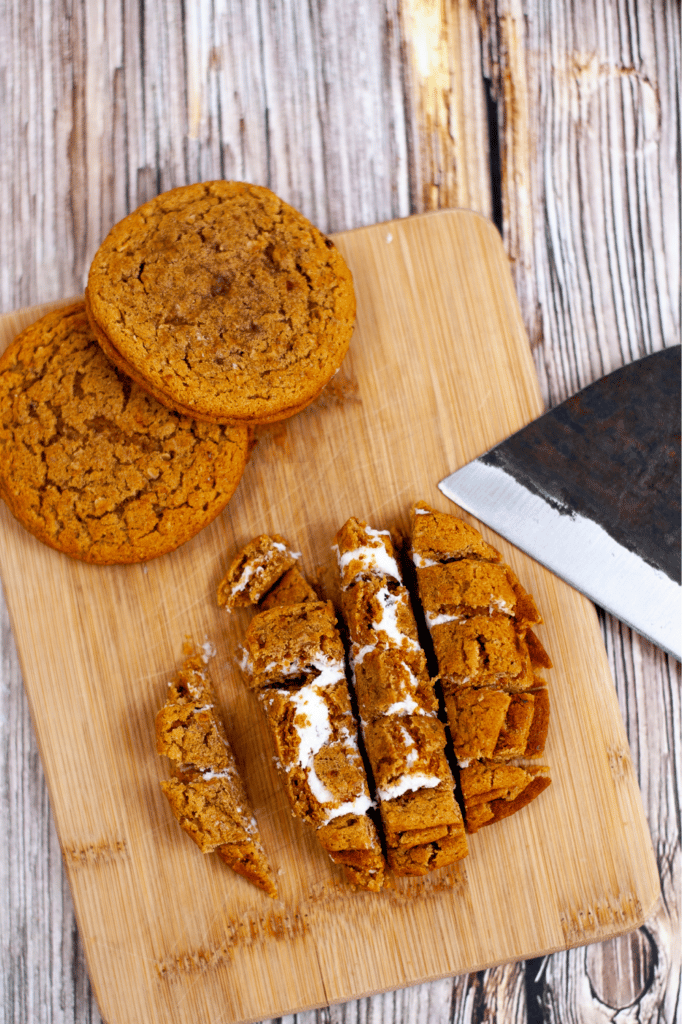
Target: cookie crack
[
  {"x": 305, "y": 275},
  {"x": 117, "y": 436}
]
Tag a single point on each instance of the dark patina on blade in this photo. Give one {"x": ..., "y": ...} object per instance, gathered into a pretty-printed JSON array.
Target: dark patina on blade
[
  {"x": 592, "y": 490},
  {"x": 613, "y": 454}
]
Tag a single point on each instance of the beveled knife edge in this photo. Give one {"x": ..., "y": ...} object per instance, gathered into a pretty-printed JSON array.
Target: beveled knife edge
[{"x": 592, "y": 491}]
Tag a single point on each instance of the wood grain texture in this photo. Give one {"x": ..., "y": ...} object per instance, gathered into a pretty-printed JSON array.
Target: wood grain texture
[{"x": 104, "y": 106}]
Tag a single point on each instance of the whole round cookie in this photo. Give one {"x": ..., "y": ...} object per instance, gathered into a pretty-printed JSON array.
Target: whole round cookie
[
  {"x": 91, "y": 464},
  {"x": 223, "y": 302}
]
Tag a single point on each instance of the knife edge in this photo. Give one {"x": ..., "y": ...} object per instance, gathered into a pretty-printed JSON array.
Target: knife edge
[{"x": 574, "y": 548}]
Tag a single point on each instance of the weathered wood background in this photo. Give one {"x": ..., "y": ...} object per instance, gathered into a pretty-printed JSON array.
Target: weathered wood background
[{"x": 560, "y": 120}]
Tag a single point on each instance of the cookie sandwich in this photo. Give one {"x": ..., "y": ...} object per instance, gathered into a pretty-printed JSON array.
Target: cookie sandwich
[{"x": 223, "y": 302}]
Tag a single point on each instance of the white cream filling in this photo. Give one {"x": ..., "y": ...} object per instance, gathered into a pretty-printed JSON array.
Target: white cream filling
[
  {"x": 422, "y": 562},
  {"x": 294, "y": 668},
  {"x": 408, "y": 784},
  {"x": 224, "y": 773},
  {"x": 435, "y": 619},
  {"x": 255, "y": 566},
  {"x": 404, "y": 707},
  {"x": 359, "y": 652},
  {"x": 330, "y": 671},
  {"x": 388, "y": 622},
  {"x": 374, "y": 558},
  {"x": 249, "y": 570},
  {"x": 312, "y": 724},
  {"x": 360, "y": 805}
]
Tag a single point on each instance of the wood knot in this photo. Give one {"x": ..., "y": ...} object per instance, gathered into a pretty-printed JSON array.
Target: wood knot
[{"x": 619, "y": 760}]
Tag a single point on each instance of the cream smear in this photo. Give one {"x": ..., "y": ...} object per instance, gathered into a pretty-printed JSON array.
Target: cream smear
[
  {"x": 388, "y": 622},
  {"x": 208, "y": 651},
  {"x": 312, "y": 724},
  {"x": 224, "y": 773},
  {"x": 373, "y": 558}
]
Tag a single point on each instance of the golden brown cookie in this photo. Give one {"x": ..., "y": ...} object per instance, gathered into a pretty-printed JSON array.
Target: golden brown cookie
[
  {"x": 397, "y": 706},
  {"x": 254, "y": 570},
  {"x": 292, "y": 588},
  {"x": 493, "y": 791},
  {"x": 90, "y": 463},
  {"x": 294, "y": 659},
  {"x": 223, "y": 302},
  {"x": 205, "y": 791}
]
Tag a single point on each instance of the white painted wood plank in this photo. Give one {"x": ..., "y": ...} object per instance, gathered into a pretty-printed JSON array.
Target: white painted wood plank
[{"x": 105, "y": 106}]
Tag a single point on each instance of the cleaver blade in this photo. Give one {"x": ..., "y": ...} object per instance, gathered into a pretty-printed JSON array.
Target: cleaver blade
[{"x": 592, "y": 491}]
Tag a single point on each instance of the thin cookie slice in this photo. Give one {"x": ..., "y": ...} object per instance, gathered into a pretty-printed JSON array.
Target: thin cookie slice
[
  {"x": 437, "y": 538},
  {"x": 494, "y": 725},
  {"x": 94, "y": 467},
  {"x": 289, "y": 643},
  {"x": 295, "y": 661},
  {"x": 484, "y": 650},
  {"x": 480, "y": 618},
  {"x": 404, "y": 739},
  {"x": 222, "y": 301},
  {"x": 493, "y": 791},
  {"x": 292, "y": 588},
  {"x": 255, "y": 569},
  {"x": 454, "y": 591},
  {"x": 205, "y": 791}
]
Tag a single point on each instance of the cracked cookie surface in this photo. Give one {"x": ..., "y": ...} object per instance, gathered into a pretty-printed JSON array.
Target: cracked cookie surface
[
  {"x": 223, "y": 302},
  {"x": 90, "y": 463}
]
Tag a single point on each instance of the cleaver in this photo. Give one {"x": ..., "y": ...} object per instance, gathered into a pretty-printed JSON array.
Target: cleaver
[{"x": 592, "y": 491}]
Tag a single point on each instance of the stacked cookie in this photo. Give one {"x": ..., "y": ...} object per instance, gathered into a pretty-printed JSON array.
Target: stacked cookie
[
  {"x": 397, "y": 706},
  {"x": 480, "y": 619},
  {"x": 223, "y": 302},
  {"x": 124, "y": 421}
]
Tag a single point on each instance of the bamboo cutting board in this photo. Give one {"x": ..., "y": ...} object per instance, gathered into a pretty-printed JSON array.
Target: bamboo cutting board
[{"x": 438, "y": 371}]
